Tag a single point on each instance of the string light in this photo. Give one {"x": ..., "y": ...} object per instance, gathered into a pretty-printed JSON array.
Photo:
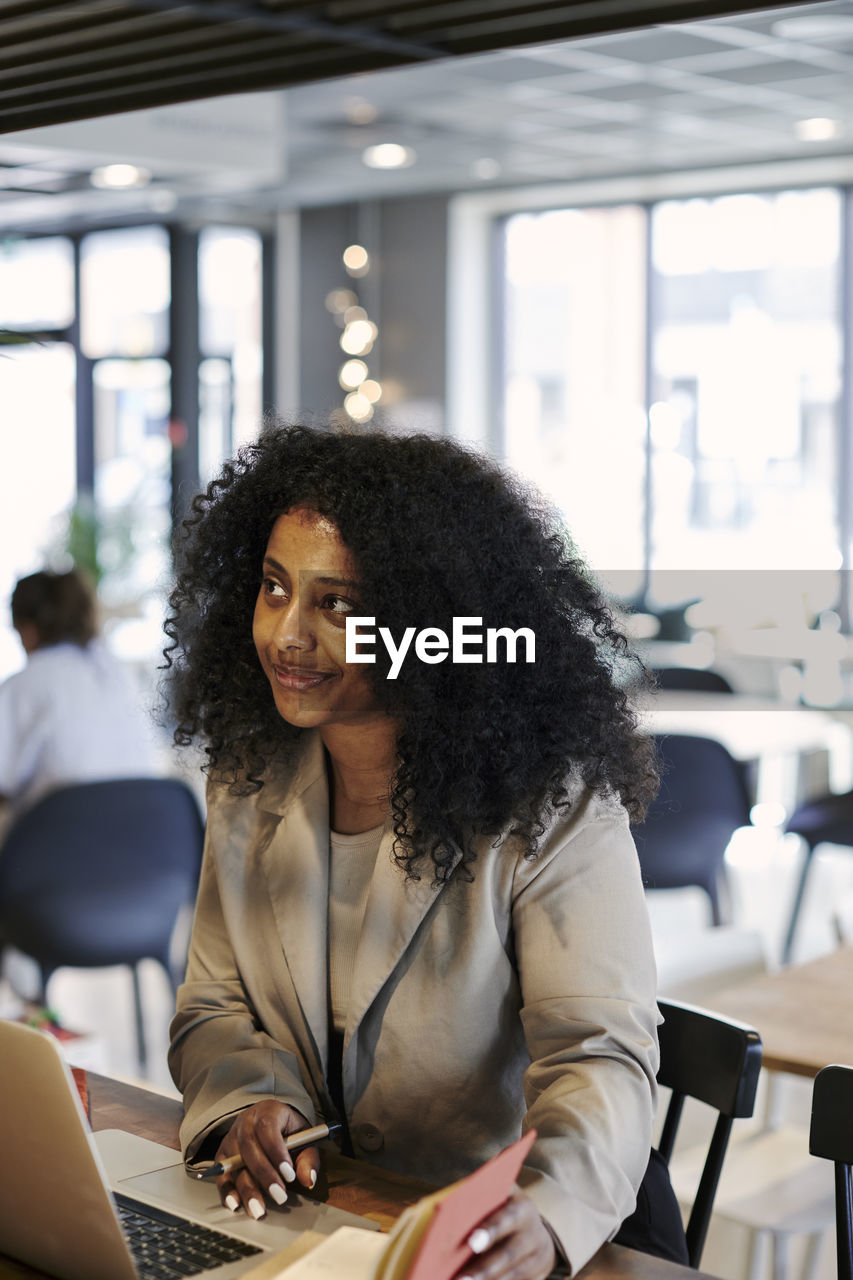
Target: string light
[
  {"x": 352, "y": 374},
  {"x": 358, "y": 407},
  {"x": 357, "y": 339},
  {"x": 371, "y": 390},
  {"x": 339, "y": 300},
  {"x": 356, "y": 259}
]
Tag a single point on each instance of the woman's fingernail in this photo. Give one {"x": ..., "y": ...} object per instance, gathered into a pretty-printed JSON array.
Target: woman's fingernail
[
  {"x": 313, "y": 1178},
  {"x": 256, "y": 1209},
  {"x": 232, "y": 1202},
  {"x": 479, "y": 1240},
  {"x": 287, "y": 1171},
  {"x": 277, "y": 1192}
]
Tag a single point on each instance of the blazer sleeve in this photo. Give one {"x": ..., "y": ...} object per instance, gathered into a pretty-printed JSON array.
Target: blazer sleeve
[
  {"x": 588, "y": 980},
  {"x": 220, "y": 1057}
]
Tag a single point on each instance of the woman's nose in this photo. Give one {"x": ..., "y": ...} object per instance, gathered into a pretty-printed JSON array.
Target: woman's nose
[{"x": 292, "y": 630}]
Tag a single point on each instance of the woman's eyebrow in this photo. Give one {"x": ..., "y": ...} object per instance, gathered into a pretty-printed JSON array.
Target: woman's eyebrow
[
  {"x": 324, "y": 580},
  {"x": 274, "y": 564}
]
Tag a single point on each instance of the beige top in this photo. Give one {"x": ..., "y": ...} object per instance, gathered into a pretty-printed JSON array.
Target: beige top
[{"x": 350, "y": 870}]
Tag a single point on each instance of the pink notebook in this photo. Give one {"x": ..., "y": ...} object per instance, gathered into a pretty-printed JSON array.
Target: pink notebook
[{"x": 443, "y": 1248}]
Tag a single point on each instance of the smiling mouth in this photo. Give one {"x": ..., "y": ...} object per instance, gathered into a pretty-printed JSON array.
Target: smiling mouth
[{"x": 299, "y": 679}]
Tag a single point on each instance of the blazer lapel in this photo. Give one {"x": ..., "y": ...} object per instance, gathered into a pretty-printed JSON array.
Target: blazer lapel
[
  {"x": 296, "y": 865},
  {"x": 395, "y": 909}
]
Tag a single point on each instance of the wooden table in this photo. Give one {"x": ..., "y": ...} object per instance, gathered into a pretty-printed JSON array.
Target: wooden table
[
  {"x": 355, "y": 1186},
  {"x": 803, "y": 1013}
]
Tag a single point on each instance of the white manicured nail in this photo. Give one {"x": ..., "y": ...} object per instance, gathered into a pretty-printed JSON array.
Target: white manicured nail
[
  {"x": 232, "y": 1202},
  {"x": 313, "y": 1178},
  {"x": 287, "y": 1171},
  {"x": 256, "y": 1209},
  {"x": 277, "y": 1193},
  {"x": 479, "y": 1240}
]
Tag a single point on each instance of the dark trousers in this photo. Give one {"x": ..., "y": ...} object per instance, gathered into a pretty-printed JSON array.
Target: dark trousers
[{"x": 655, "y": 1226}]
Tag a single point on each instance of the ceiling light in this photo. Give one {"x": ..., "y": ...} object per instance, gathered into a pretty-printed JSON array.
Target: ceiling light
[
  {"x": 162, "y": 201},
  {"x": 486, "y": 168},
  {"x": 119, "y": 177},
  {"x": 814, "y": 26},
  {"x": 817, "y": 129},
  {"x": 388, "y": 155},
  {"x": 360, "y": 111}
]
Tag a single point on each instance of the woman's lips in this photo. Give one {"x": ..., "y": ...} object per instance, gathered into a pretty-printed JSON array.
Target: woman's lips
[{"x": 299, "y": 679}]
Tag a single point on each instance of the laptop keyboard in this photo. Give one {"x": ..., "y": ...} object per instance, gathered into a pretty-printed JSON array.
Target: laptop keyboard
[{"x": 166, "y": 1247}]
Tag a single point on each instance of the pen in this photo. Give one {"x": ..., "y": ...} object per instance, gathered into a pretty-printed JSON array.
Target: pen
[{"x": 301, "y": 1139}]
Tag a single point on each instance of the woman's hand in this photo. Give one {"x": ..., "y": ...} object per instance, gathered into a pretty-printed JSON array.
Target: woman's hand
[
  {"x": 513, "y": 1243},
  {"x": 257, "y": 1136}
]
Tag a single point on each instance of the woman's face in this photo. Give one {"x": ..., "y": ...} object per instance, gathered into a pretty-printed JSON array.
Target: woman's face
[{"x": 309, "y": 589}]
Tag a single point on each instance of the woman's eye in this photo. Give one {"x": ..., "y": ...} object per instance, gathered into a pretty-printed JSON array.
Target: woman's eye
[
  {"x": 273, "y": 588},
  {"x": 339, "y": 606}
]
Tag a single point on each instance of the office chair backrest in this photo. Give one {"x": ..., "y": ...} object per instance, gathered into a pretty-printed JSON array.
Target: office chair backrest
[
  {"x": 96, "y": 873},
  {"x": 717, "y": 1061},
  {"x": 701, "y": 803},
  {"x": 692, "y": 679},
  {"x": 699, "y": 775},
  {"x": 831, "y": 1137}
]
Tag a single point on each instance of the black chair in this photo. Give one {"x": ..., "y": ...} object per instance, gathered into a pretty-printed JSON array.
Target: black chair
[
  {"x": 825, "y": 820},
  {"x": 831, "y": 1138},
  {"x": 693, "y": 679},
  {"x": 702, "y": 801},
  {"x": 96, "y": 874},
  {"x": 717, "y": 1061}
]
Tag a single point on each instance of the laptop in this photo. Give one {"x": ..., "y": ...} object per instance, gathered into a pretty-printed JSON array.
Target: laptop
[{"x": 110, "y": 1205}]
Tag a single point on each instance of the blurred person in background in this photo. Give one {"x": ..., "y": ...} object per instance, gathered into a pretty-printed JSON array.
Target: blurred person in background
[{"x": 72, "y": 714}]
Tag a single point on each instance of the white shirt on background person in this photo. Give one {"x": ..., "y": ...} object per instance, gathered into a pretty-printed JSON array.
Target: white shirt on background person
[{"x": 71, "y": 715}]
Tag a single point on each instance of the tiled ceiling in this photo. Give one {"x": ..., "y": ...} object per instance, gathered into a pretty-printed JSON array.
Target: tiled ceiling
[
  {"x": 714, "y": 92},
  {"x": 73, "y": 59}
]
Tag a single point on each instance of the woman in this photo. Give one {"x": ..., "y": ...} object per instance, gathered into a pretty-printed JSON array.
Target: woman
[{"x": 420, "y": 909}]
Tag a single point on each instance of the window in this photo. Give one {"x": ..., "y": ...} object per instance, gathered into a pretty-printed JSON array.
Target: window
[
  {"x": 125, "y": 292},
  {"x": 733, "y": 463},
  {"x": 574, "y": 352},
  {"x": 132, "y": 478},
  {"x": 229, "y": 284},
  {"x": 37, "y": 478},
  {"x": 36, "y": 283}
]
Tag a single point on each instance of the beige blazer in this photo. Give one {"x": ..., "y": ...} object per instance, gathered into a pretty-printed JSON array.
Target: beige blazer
[{"x": 523, "y": 998}]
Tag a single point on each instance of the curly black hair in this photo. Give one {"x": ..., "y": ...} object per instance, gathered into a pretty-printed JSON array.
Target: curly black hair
[{"x": 437, "y": 532}]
